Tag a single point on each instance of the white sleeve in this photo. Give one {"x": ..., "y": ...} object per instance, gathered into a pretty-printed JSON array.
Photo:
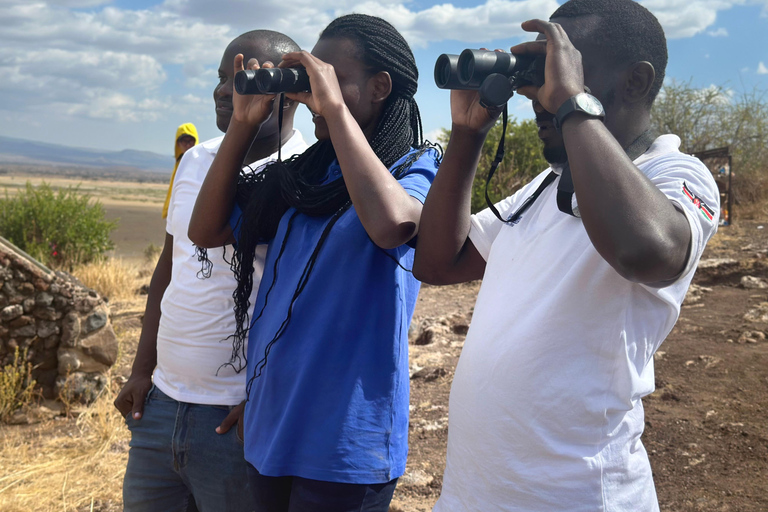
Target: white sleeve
[
  {"x": 688, "y": 183},
  {"x": 485, "y": 226}
]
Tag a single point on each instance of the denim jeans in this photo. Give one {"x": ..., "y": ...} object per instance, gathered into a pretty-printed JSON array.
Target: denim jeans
[
  {"x": 177, "y": 462},
  {"x": 295, "y": 494}
]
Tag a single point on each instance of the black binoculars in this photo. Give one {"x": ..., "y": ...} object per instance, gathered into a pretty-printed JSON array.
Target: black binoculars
[
  {"x": 495, "y": 74},
  {"x": 271, "y": 80}
]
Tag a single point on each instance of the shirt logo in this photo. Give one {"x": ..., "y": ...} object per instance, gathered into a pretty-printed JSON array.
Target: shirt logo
[{"x": 705, "y": 210}]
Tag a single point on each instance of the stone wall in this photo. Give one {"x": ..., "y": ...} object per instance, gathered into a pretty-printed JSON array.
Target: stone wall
[{"x": 63, "y": 326}]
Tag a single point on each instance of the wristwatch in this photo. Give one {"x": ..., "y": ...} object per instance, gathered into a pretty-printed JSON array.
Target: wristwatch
[{"x": 583, "y": 103}]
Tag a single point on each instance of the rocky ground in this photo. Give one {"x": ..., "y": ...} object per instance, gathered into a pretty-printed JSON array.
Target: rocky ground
[{"x": 706, "y": 424}]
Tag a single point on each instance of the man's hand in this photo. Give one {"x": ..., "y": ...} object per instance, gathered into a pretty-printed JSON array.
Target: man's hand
[
  {"x": 234, "y": 416},
  {"x": 132, "y": 396},
  {"x": 467, "y": 113},
  {"x": 563, "y": 73},
  {"x": 251, "y": 109}
]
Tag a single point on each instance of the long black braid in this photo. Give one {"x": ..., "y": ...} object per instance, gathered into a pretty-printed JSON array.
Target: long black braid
[{"x": 264, "y": 197}]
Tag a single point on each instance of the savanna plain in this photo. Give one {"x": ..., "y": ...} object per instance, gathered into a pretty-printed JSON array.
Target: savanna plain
[{"x": 706, "y": 425}]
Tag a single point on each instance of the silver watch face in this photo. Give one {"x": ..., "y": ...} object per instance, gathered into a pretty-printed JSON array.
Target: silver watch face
[{"x": 589, "y": 104}]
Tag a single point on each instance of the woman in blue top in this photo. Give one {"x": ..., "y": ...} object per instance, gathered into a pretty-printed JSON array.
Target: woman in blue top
[{"x": 326, "y": 422}]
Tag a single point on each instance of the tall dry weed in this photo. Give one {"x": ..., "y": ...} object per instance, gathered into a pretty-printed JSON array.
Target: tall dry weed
[{"x": 112, "y": 278}]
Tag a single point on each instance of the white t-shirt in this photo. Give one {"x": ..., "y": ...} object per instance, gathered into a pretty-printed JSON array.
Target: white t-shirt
[
  {"x": 545, "y": 410},
  {"x": 197, "y": 314}
]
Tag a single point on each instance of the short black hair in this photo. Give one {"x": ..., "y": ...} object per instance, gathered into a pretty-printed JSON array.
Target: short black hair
[
  {"x": 270, "y": 44},
  {"x": 626, "y": 31}
]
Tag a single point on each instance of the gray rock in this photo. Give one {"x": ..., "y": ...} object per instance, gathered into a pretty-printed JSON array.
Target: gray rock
[
  {"x": 26, "y": 288},
  {"x": 70, "y": 329},
  {"x": 46, "y": 328},
  {"x": 101, "y": 346},
  {"x": 49, "y": 314},
  {"x": 11, "y": 312},
  {"x": 28, "y": 304},
  {"x": 24, "y": 332},
  {"x": 95, "y": 321},
  {"x": 61, "y": 303},
  {"x": 753, "y": 283},
  {"x": 44, "y": 299}
]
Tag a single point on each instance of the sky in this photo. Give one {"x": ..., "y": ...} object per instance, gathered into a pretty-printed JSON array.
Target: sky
[{"x": 123, "y": 74}]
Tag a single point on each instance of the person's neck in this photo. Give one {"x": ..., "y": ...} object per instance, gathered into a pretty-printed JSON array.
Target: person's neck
[
  {"x": 263, "y": 147},
  {"x": 630, "y": 126}
]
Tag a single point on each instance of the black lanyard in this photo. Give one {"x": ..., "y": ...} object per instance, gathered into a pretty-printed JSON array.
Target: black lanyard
[{"x": 565, "y": 186}]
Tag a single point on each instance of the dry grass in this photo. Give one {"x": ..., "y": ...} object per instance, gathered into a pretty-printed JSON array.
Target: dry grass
[
  {"x": 112, "y": 278},
  {"x": 66, "y": 465},
  {"x": 115, "y": 278}
]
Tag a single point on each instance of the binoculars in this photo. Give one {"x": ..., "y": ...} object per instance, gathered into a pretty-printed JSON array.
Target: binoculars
[
  {"x": 496, "y": 75},
  {"x": 271, "y": 80}
]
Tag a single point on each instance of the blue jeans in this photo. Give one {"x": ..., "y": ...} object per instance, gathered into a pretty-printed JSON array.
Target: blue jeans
[
  {"x": 295, "y": 494},
  {"x": 177, "y": 462}
]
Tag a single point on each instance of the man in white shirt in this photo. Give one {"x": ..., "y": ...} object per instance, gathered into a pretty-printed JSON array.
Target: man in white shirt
[
  {"x": 578, "y": 290},
  {"x": 183, "y": 396}
]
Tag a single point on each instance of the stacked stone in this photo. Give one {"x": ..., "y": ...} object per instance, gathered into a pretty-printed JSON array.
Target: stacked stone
[{"x": 62, "y": 327}]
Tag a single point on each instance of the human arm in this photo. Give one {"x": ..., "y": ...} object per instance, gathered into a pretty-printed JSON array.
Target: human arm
[
  {"x": 630, "y": 222},
  {"x": 209, "y": 225},
  {"x": 388, "y": 213},
  {"x": 131, "y": 397},
  {"x": 444, "y": 252}
]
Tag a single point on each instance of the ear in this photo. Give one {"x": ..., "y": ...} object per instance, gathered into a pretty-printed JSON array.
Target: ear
[
  {"x": 639, "y": 79},
  {"x": 380, "y": 85}
]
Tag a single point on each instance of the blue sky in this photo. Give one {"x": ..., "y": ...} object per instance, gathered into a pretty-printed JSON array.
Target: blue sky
[{"x": 118, "y": 74}]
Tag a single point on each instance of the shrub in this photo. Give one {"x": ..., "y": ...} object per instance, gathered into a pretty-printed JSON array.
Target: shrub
[
  {"x": 523, "y": 160},
  {"x": 61, "y": 229}
]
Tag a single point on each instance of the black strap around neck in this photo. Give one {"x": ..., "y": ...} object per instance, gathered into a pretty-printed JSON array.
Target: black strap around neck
[
  {"x": 565, "y": 186},
  {"x": 565, "y": 189},
  {"x": 495, "y": 164},
  {"x": 280, "y": 128}
]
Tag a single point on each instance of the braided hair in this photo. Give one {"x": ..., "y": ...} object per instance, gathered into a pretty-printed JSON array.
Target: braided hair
[{"x": 296, "y": 183}]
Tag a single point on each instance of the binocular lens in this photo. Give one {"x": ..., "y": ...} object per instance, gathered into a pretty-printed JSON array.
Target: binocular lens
[
  {"x": 446, "y": 76},
  {"x": 271, "y": 80},
  {"x": 245, "y": 82}
]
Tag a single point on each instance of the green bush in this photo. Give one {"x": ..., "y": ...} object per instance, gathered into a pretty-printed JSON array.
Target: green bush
[
  {"x": 523, "y": 160},
  {"x": 60, "y": 228}
]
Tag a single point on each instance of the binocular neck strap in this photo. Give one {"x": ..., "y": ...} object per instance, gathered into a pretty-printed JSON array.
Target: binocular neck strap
[
  {"x": 280, "y": 128},
  {"x": 496, "y": 162},
  {"x": 513, "y": 219},
  {"x": 565, "y": 186}
]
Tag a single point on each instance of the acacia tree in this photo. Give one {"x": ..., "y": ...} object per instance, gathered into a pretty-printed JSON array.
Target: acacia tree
[
  {"x": 523, "y": 160},
  {"x": 711, "y": 117}
]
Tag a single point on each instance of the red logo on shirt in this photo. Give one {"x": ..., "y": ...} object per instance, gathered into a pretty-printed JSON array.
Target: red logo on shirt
[{"x": 705, "y": 210}]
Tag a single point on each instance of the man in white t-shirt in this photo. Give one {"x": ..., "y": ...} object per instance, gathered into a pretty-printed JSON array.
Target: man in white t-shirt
[
  {"x": 182, "y": 396},
  {"x": 580, "y": 285}
]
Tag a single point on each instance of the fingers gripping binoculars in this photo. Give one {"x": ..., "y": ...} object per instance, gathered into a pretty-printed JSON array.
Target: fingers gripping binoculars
[
  {"x": 496, "y": 75},
  {"x": 271, "y": 80}
]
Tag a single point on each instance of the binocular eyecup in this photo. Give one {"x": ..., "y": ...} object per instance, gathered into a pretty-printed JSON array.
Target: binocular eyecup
[
  {"x": 495, "y": 74},
  {"x": 271, "y": 80}
]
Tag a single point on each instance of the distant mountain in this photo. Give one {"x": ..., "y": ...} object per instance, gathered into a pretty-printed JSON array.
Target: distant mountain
[{"x": 20, "y": 151}]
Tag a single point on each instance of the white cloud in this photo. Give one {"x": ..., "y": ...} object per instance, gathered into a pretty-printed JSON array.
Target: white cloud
[
  {"x": 761, "y": 69},
  {"x": 720, "y": 32}
]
